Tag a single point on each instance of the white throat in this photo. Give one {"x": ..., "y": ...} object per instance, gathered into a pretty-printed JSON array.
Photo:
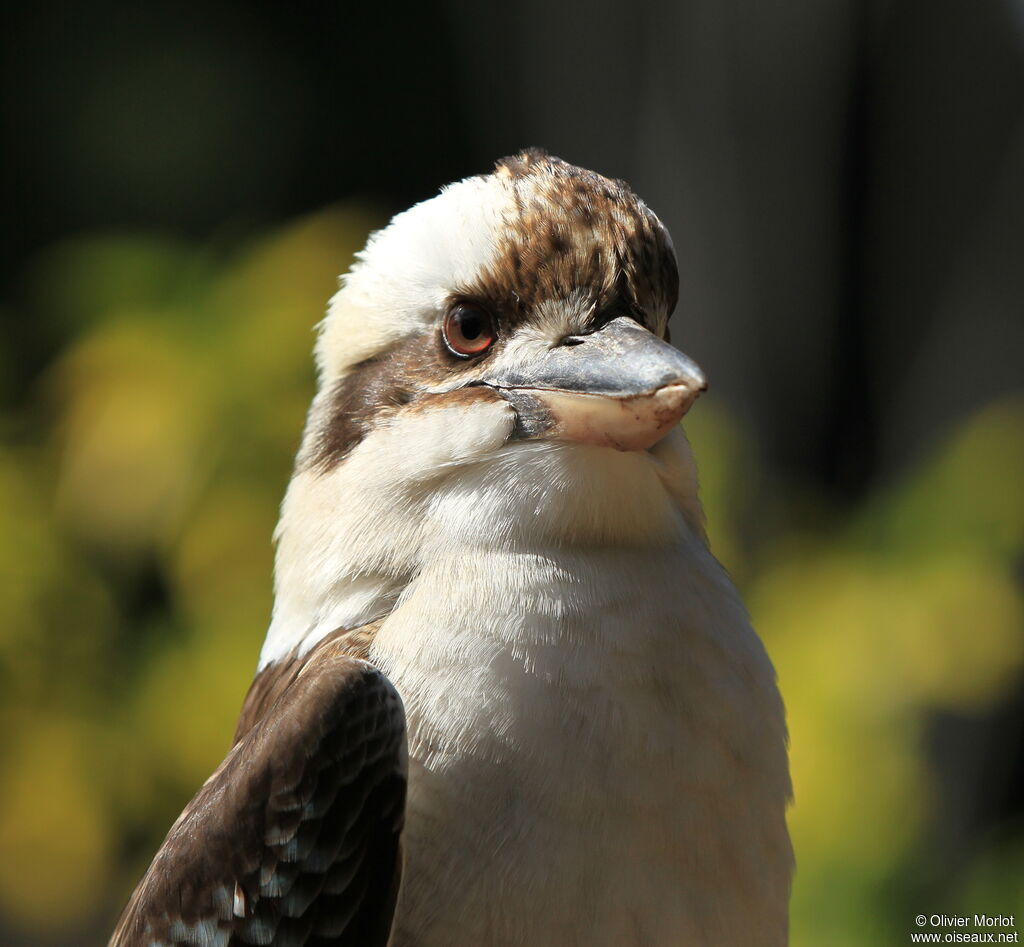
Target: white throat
[{"x": 446, "y": 480}]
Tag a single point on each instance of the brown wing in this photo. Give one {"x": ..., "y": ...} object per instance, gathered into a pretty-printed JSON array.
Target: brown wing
[
  {"x": 294, "y": 840},
  {"x": 271, "y": 682}
]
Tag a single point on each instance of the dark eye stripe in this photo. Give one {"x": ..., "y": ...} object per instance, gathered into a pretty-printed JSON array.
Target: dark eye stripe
[
  {"x": 397, "y": 379},
  {"x": 349, "y": 410}
]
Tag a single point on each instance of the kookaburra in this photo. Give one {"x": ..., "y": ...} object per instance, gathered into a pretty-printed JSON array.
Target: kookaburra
[{"x": 508, "y": 696}]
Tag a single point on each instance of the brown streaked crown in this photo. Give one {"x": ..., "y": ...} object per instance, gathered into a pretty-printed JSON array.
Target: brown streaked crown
[{"x": 572, "y": 230}]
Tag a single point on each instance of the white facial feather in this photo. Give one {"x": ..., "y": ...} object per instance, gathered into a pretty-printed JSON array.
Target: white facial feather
[{"x": 408, "y": 269}]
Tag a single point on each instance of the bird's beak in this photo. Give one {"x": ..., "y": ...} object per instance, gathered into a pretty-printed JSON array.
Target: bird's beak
[{"x": 620, "y": 386}]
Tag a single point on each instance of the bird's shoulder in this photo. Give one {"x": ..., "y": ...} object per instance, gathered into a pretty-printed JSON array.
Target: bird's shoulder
[
  {"x": 335, "y": 650},
  {"x": 296, "y": 835}
]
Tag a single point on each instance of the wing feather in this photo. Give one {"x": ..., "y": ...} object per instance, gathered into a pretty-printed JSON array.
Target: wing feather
[{"x": 295, "y": 839}]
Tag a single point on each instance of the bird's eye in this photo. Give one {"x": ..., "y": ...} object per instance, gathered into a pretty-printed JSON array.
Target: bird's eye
[{"x": 468, "y": 330}]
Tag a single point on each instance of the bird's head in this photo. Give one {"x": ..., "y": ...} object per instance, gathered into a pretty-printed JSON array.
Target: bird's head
[
  {"x": 495, "y": 368},
  {"x": 542, "y": 286}
]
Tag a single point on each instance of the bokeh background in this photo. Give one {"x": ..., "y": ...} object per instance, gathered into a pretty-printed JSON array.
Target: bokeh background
[{"x": 181, "y": 185}]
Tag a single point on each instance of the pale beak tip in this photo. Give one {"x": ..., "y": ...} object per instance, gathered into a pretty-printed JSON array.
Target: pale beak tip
[
  {"x": 694, "y": 380},
  {"x": 673, "y": 401}
]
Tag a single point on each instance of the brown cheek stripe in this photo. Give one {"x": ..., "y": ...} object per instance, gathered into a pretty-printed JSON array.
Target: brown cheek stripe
[
  {"x": 376, "y": 388},
  {"x": 351, "y": 407}
]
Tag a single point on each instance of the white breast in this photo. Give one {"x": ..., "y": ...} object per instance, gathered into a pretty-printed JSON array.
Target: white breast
[
  {"x": 597, "y": 745},
  {"x": 596, "y": 751}
]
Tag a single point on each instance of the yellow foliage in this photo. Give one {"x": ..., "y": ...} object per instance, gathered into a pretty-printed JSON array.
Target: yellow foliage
[
  {"x": 728, "y": 477},
  {"x": 189, "y": 703},
  {"x": 913, "y": 610},
  {"x": 179, "y": 399},
  {"x": 55, "y": 836},
  {"x": 130, "y": 435},
  {"x": 223, "y": 561}
]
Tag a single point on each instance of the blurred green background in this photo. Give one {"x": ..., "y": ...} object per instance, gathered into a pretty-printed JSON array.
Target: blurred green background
[{"x": 845, "y": 185}]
